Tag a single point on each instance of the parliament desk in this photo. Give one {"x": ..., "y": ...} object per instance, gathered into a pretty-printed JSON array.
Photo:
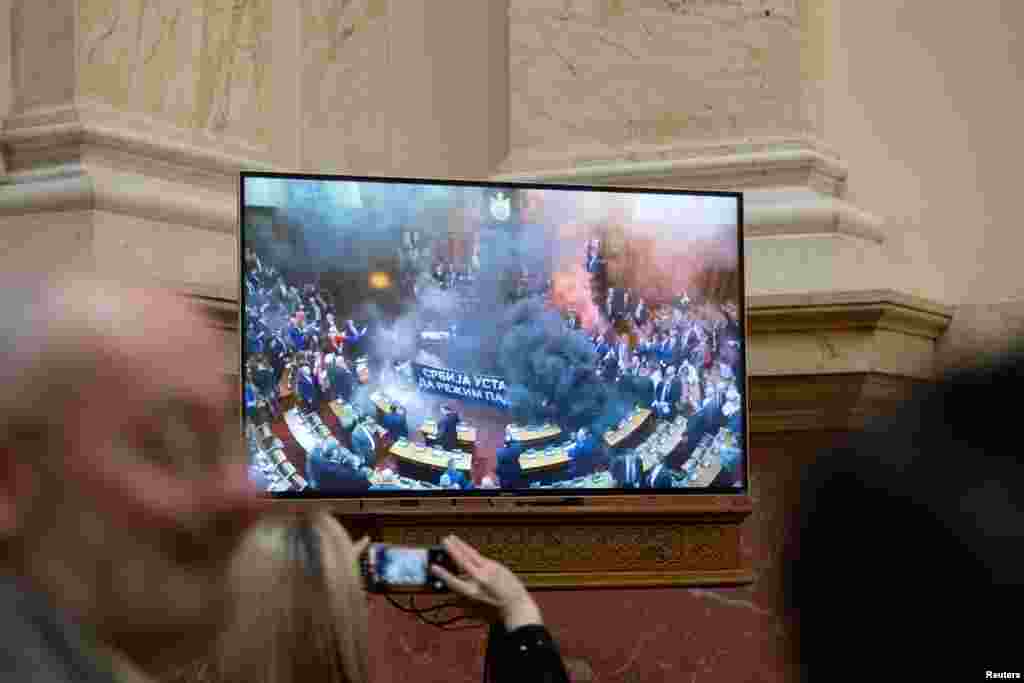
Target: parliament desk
[
  {"x": 380, "y": 481},
  {"x": 705, "y": 473},
  {"x": 528, "y": 437},
  {"x": 544, "y": 459},
  {"x": 662, "y": 443},
  {"x": 464, "y": 434},
  {"x": 598, "y": 480},
  {"x": 632, "y": 426},
  {"x": 434, "y": 459},
  {"x": 706, "y": 463}
]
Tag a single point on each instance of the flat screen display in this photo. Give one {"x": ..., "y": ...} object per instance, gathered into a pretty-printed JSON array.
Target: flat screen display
[{"x": 423, "y": 338}]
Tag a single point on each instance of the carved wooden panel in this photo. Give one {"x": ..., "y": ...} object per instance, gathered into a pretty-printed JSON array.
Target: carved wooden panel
[{"x": 618, "y": 547}]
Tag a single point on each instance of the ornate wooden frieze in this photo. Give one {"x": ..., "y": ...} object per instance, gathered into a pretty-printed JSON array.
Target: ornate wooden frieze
[
  {"x": 589, "y": 547},
  {"x": 655, "y": 542}
]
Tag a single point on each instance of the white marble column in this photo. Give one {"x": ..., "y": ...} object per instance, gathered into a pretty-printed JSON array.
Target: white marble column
[
  {"x": 128, "y": 123},
  {"x": 407, "y": 88}
]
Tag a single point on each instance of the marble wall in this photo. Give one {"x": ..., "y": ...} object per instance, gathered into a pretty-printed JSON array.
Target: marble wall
[
  {"x": 344, "y": 82},
  {"x": 924, "y": 101},
  {"x": 620, "y": 74},
  {"x": 199, "y": 65}
]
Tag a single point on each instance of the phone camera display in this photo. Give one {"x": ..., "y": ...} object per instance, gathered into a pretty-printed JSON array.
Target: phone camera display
[{"x": 396, "y": 568}]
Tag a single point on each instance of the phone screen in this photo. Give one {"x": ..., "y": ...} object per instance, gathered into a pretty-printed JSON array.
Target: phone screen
[{"x": 393, "y": 567}]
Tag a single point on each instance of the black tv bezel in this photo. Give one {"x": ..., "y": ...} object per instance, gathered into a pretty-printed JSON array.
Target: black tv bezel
[{"x": 565, "y": 494}]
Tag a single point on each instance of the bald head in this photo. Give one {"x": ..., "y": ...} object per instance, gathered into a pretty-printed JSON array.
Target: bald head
[
  {"x": 88, "y": 358},
  {"x": 117, "y": 414},
  {"x": 95, "y": 329}
]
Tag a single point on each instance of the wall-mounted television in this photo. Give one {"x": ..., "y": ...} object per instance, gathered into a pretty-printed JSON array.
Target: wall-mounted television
[{"x": 449, "y": 338}]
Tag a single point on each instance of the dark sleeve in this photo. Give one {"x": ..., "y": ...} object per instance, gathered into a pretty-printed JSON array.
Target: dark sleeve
[{"x": 526, "y": 655}]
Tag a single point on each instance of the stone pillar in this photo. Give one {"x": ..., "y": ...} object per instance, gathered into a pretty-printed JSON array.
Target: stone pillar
[
  {"x": 410, "y": 88},
  {"x": 129, "y": 122}
]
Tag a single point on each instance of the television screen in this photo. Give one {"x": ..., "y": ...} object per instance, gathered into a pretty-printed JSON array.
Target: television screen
[{"x": 436, "y": 337}]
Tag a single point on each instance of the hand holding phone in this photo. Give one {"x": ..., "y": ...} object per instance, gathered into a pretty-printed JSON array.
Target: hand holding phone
[
  {"x": 489, "y": 583},
  {"x": 392, "y": 568}
]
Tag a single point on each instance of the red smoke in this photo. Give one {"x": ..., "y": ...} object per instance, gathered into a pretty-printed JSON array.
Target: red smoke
[{"x": 571, "y": 290}]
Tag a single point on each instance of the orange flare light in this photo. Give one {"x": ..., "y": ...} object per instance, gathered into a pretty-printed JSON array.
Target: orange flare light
[{"x": 380, "y": 280}]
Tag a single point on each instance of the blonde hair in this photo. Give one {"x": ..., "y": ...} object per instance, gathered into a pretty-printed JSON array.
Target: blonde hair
[{"x": 299, "y": 609}]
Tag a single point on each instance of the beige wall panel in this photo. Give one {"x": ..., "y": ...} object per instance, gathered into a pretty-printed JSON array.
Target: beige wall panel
[
  {"x": 628, "y": 74},
  {"x": 45, "y": 241},
  {"x": 202, "y": 261},
  {"x": 827, "y": 352},
  {"x": 200, "y": 65},
  {"x": 42, "y": 48},
  {"x": 344, "y": 84},
  {"x": 924, "y": 102}
]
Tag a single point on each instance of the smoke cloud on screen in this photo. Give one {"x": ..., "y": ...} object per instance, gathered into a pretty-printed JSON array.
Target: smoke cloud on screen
[{"x": 351, "y": 228}]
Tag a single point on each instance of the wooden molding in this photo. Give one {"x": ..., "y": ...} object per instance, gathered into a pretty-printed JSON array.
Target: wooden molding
[{"x": 621, "y": 542}]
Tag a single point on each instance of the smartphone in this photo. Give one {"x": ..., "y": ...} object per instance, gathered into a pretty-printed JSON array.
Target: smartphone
[{"x": 394, "y": 568}]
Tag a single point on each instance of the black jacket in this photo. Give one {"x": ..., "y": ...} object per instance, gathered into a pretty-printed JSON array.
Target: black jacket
[
  {"x": 508, "y": 469},
  {"x": 586, "y": 455},
  {"x": 447, "y": 432},
  {"x": 330, "y": 476},
  {"x": 526, "y": 655},
  {"x": 936, "y": 491},
  {"x": 658, "y": 478},
  {"x": 628, "y": 477}
]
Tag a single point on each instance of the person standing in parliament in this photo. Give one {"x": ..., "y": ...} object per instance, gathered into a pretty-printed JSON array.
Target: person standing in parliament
[
  {"x": 394, "y": 421},
  {"x": 447, "y": 429},
  {"x": 364, "y": 442},
  {"x": 508, "y": 468},
  {"x": 585, "y": 454},
  {"x": 628, "y": 471}
]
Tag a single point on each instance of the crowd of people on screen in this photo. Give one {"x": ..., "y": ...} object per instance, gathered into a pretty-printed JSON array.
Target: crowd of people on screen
[{"x": 685, "y": 355}]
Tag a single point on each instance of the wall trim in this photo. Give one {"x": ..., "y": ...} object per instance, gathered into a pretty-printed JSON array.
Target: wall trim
[
  {"x": 779, "y": 214},
  {"x": 85, "y": 157},
  {"x": 91, "y": 123},
  {"x": 790, "y": 189},
  {"x": 882, "y": 309},
  {"x": 750, "y": 164}
]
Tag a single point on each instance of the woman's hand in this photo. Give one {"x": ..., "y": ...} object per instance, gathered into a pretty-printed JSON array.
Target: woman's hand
[{"x": 489, "y": 583}]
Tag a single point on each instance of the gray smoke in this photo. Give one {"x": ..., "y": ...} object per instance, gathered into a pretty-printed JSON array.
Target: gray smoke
[{"x": 345, "y": 230}]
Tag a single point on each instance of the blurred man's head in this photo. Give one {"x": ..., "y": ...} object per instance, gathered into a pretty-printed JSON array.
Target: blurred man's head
[{"x": 123, "y": 484}]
